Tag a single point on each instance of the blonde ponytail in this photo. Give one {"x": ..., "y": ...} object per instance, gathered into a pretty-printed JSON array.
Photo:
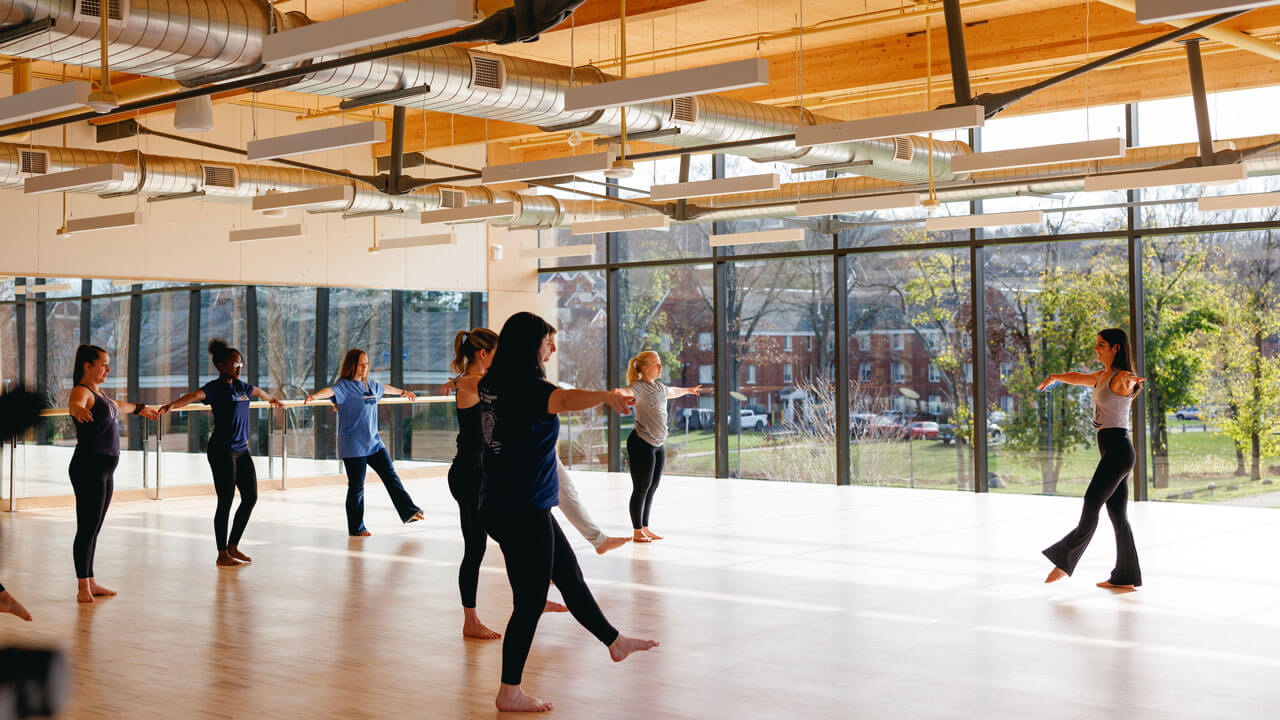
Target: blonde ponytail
[{"x": 633, "y": 367}]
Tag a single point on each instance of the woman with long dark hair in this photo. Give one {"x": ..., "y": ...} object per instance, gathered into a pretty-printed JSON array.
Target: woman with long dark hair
[
  {"x": 93, "y": 464},
  {"x": 1114, "y": 387},
  {"x": 519, "y": 430},
  {"x": 228, "y": 451},
  {"x": 359, "y": 443}
]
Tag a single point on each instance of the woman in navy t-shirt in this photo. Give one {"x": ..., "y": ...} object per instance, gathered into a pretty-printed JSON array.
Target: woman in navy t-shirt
[
  {"x": 519, "y": 430},
  {"x": 228, "y": 452},
  {"x": 359, "y": 444}
]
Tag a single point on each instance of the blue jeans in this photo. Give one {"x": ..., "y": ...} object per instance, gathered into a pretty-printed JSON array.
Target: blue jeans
[{"x": 380, "y": 461}]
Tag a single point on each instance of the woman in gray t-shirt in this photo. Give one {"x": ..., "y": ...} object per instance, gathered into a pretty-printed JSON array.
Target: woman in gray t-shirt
[{"x": 645, "y": 443}]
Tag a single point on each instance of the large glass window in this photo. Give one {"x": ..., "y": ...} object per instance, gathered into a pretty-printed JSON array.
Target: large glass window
[
  {"x": 576, "y": 301},
  {"x": 431, "y": 320}
]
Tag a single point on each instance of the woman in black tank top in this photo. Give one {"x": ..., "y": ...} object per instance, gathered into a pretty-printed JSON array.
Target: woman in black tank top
[{"x": 94, "y": 462}]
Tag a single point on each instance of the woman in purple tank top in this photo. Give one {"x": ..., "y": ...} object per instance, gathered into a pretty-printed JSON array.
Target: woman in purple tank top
[{"x": 94, "y": 463}]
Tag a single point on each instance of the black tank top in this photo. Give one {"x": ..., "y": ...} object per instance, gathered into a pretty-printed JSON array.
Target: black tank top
[
  {"x": 101, "y": 435},
  {"x": 470, "y": 443}
]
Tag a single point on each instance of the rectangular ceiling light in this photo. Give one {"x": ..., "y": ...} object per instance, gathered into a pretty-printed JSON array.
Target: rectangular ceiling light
[
  {"x": 271, "y": 232},
  {"x": 1215, "y": 203},
  {"x": 334, "y": 138},
  {"x": 104, "y": 222},
  {"x": 394, "y": 243},
  {"x": 560, "y": 251},
  {"x": 469, "y": 214},
  {"x": 552, "y": 167},
  {"x": 758, "y": 238},
  {"x": 1153, "y": 11},
  {"x": 305, "y": 198},
  {"x": 818, "y": 208},
  {"x": 1045, "y": 155},
  {"x": 387, "y": 24},
  {"x": 970, "y": 222},
  {"x": 1158, "y": 178},
  {"x": 721, "y": 186},
  {"x": 47, "y": 288},
  {"x": 664, "y": 86},
  {"x": 637, "y": 222},
  {"x": 65, "y": 96},
  {"x": 73, "y": 179},
  {"x": 955, "y": 118}
]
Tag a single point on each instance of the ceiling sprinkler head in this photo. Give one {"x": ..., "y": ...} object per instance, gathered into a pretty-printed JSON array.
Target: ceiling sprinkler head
[
  {"x": 103, "y": 102},
  {"x": 575, "y": 138},
  {"x": 621, "y": 170}
]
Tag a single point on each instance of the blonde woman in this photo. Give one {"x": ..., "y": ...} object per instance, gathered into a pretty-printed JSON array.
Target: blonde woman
[{"x": 645, "y": 449}]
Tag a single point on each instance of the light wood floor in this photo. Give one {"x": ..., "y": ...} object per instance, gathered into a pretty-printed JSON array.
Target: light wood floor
[{"x": 771, "y": 600}]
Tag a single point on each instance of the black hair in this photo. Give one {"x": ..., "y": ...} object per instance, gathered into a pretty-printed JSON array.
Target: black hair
[
  {"x": 220, "y": 351},
  {"x": 1119, "y": 339},
  {"x": 518, "y": 344},
  {"x": 85, "y": 355}
]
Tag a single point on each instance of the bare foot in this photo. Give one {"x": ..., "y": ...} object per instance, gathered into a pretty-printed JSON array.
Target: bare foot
[
  {"x": 225, "y": 560},
  {"x": 640, "y": 537},
  {"x": 554, "y": 607},
  {"x": 362, "y": 533},
  {"x": 99, "y": 591},
  {"x": 234, "y": 552},
  {"x": 622, "y": 647},
  {"x": 650, "y": 534},
  {"x": 416, "y": 517},
  {"x": 512, "y": 699},
  {"x": 1055, "y": 575},
  {"x": 612, "y": 543},
  {"x": 473, "y": 628},
  {"x": 84, "y": 596},
  {"x": 9, "y": 604},
  {"x": 1108, "y": 585}
]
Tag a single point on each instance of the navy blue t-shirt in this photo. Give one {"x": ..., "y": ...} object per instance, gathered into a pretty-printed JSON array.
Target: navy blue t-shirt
[
  {"x": 230, "y": 404},
  {"x": 519, "y": 438}
]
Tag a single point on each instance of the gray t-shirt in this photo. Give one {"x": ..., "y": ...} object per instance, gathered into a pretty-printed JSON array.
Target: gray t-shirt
[{"x": 651, "y": 411}]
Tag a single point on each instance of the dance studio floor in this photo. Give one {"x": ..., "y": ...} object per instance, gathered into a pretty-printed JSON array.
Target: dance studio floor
[{"x": 771, "y": 600}]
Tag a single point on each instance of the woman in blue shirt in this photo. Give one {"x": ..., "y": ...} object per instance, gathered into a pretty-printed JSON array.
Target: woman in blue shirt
[
  {"x": 359, "y": 444},
  {"x": 228, "y": 452}
]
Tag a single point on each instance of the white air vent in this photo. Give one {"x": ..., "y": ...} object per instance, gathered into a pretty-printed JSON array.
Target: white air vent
[
  {"x": 452, "y": 198},
  {"x": 487, "y": 71},
  {"x": 91, "y": 11},
  {"x": 218, "y": 176},
  {"x": 684, "y": 111},
  {"x": 903, "y": 150},
  {"x": 34, "y": 162}
]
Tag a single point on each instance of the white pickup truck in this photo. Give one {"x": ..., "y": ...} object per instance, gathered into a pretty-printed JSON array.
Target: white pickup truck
[{"x": 751, "y": 420}]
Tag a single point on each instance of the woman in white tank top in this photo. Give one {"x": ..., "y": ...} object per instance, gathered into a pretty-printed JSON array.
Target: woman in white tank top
[{"x": 1114, "y": 387}]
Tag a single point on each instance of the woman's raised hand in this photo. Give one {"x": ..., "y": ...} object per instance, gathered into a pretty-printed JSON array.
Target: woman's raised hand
[
  {"x": 409, "y": 394},
  {"x": 149, "y": 413},
  {"x": 620, "y": 403},
  {"x": 1046, "y": 383}
]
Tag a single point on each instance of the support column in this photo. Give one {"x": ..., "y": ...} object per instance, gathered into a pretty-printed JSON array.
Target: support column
[
  {"x": 720, "y": 331},
  {"x": 400, "y": 416},
  {"x": 1199, "y": 99},
  {"x": 843, "y": 433},
  {"x": 324, "y": 423},
  {"x": 955, "y": 46},
  {"x": 1137, "y": 306},
  {"x": 194, "y": 358},
  {"x": 135, "y": 364}
]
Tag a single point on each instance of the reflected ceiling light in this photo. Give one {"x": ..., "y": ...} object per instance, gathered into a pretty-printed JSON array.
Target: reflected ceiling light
[
  {"x": 271, "y": 232},
  {"x": 1215, "y": 203},
  {"x": 1157, "y": 178},
  {"x": 65, "y": 96},
  {"x": 759, "y": 237},
  {"x": 394, "y": 243},
  {"x": 73, "y": 179},
  {"x": 664, "y": 86},
  {"x": 954, "y": 118},
  {"x": 635, "y": 222},
  {"x": 551, "y": 167},
  {"x": 1044, "y": 155},
  {"x": 818, "y": 208},
  {"x": 36, "y": 289},
  {"x": 304, "y": 198},
  {"x": 720, "y": 186},
  {"x": 334, "y": 138},
  {"x": 470, "y": 213},
  {"x": 394, "y": 22},
  {"x": 560, "y": 251},
  {"x": 102, "y": 222},
  {"x": 971, "y": 222},
  {"x": 1153, "y": 11}
]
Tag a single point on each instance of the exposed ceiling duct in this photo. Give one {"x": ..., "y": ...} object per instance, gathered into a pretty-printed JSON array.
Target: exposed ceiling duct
[{"x": 197, "y": 42}]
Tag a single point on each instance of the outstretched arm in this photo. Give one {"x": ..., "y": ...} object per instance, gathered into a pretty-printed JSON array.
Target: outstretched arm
[
  {"x": 80, "y": 404},
  {"x": 403, "y": 393},
  {"x": 626, "y": 392},
  {"x": 140, "y": 409},
  {"x": 321, "y": 394},
  {"x": 191, "y": 397},
  {"x": 1070, "y": 378},
  {"x": 562, "y": 400},
  {"x": 264, "y": 395},
  {"x": 1126, "y": 383},
  {"x": 675, "y": 392}
]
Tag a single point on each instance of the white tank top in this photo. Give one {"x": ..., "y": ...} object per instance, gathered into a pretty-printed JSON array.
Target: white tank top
[{"x": 1109, "y": 409}]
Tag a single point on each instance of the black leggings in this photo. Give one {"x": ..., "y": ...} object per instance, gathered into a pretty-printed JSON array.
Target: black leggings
[
  {"x": 231, "y": 470},
  {"x": 92, "y": 479},
  {"x": 537, "y": 554},
  {"x": 646, "y": 470},
  {"x": 1108, "y": 487},
  {"x": 380, "y": 461},
  {"x": 464, "y": 485}
]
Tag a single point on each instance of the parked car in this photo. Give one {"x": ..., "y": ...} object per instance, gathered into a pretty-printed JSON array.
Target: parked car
[
  {"x": 947, "y": 433},
  {"x": 889, "y": 426},
  {"x": 751, "y": 420},
  {"x": 924, "y": 430},
  {"x": 860, "y": 424},
  {"x": 1187, "y": 413}
]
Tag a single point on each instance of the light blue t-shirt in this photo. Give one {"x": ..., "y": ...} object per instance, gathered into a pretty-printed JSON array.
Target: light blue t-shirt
[{"x": 357, "y": 417}]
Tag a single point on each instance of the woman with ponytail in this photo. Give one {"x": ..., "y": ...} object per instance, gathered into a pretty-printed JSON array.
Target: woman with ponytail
[
  {"x": 228, "y": 451},
  {"x": 1114, "y": 388},
  {"x": 94, "y": 463}
]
